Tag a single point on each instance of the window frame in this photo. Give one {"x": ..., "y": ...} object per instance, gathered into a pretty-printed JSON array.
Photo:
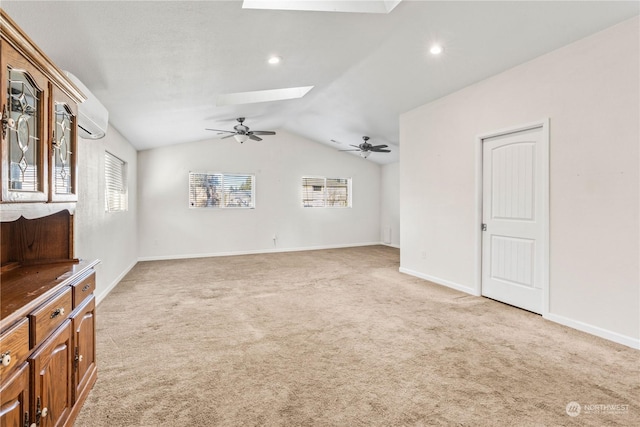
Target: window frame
[
  {"x": 305, "y": 201},
  {"x": 118, "y": 189},
  {"x": 223, "y": 205}
]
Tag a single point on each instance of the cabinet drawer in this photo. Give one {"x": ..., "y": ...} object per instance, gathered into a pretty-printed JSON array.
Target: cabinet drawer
[
  {"x": 83, "y": 289},
  {"x": 49, "y": 316},
  {"x": 14, "y": 347}
]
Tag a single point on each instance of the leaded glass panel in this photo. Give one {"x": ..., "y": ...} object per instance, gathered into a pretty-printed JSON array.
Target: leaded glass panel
[
  {"x": 62, "y": 150},
  {"x": 23, "y": 99}
]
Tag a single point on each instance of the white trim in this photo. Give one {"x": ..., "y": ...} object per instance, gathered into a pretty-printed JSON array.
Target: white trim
[
  {"x": 544, "y": 179},
  {"x": 594, "y": 330},
  {"x": 256, "y": 251},
  {"x": 100, "y": 297},
  {"x": 391, "y": 245},
  {"x": 439, "y": 281}
]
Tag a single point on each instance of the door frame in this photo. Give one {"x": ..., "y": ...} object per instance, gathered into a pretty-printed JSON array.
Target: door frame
[{"x": 544, "y": 182}]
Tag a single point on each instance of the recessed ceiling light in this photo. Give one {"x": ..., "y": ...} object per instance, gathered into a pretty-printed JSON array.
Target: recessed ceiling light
[
  {"x": 274, "y": 60},
  {"x": 436, "y": 49}
]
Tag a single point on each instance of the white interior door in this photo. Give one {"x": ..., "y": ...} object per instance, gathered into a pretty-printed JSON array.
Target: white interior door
[{"x": 514, "y": 222}]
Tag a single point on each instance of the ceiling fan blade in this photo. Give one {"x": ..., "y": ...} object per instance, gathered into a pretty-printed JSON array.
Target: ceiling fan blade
[
  {"x": 228, "y": 136},
  {"x": 381, "y": 150},
  {"x": 356, "y": 146},
  {"x": 350, "y": 150},
  {"x": 263, "y": 132},
  {"x": 379, "y": 146},
  {"x": 220, "y": 130},
  {"x": 255, "y": 138}
]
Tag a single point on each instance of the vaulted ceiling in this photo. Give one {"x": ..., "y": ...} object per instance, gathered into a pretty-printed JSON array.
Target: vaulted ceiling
[{"x": 159, "y": 67}]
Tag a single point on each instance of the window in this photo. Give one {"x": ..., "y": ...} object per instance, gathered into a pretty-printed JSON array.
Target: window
[
  {"x": 116, "y": 194},
  {"x": 221, "y": 190},
  {"x": 318, "y": 192}
]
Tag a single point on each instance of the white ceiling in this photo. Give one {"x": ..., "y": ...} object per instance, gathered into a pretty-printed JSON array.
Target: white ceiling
[{"x": 159, "y": 67}]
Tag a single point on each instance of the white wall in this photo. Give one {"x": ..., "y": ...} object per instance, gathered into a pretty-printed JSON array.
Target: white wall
[
  {"x": 390, "y": 204},
  {"x": 168, "y": 228},
  {"x": 590, "y": 92},
  {"x": 110, "y": 237}
]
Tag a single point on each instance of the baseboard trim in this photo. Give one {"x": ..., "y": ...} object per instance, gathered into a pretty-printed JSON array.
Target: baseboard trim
[
  {"x": 439, "y": 281},
  {"x": 391, "y": 245},
  {"x": 565, "y": 321},
  {"x": 102, "y": 295},
  {"x": 256, "y": 251},
  {"x": 595, "y": 330}
]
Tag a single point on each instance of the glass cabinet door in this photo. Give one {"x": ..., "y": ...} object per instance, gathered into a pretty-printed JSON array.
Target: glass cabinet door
[
  {"x": 24, "y": 127},
  {"x": 63, "y": 149}
]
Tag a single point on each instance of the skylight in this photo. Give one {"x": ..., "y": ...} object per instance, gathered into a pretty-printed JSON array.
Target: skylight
[
  {"x": 362, "y": 6},
  {"x": 262, "y": 96}
]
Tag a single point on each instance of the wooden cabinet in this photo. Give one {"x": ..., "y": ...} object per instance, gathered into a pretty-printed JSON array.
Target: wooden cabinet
[
  {"x": 51, "y": 337},
  {"x": 51, "y": 372},
  {"x": 84, "y": 341},
  {"x": 47, "y": 307},
  {"x": 14, "y": 399},
  {"x": 39, "y": 106},
  {"x": 25, "y": 128},
  {"x": 62, "y": 169}
]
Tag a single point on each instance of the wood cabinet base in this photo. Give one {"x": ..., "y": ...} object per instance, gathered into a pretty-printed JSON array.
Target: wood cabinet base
[
  {"x": 50, "y": 344},
  {"x": 77, "y": 406}
]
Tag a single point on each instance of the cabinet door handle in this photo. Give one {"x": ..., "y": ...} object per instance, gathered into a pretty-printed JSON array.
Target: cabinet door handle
[
  {"x": 86, "y": 288},
  {"x": 57, "y": 312},
  {"x": 7, "y": 122},
  {"x": 39, "y": 413}
]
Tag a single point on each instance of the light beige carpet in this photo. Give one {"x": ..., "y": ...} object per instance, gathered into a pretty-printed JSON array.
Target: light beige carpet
[{"x": 340, "y": 338}]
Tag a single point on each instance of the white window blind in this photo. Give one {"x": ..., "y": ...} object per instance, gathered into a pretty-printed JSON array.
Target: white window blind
[
  {"x": 116, "y": 194},
  {"x": 320, "y": 192},
  {"x": 221, "y": 190}
]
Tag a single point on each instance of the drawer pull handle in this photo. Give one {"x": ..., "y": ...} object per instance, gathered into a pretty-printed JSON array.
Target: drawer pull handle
[
  {"x": 86, "y": 288},
  {"x": 57, "y": 312},
  {"x": 6, "y": 358}
]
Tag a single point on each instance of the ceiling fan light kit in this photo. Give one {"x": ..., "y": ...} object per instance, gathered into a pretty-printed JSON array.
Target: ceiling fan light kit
[
  {"x": 240, "y": 137},
  {"x": 366, "y": 149},
  {"x": 241, "y": 132}
]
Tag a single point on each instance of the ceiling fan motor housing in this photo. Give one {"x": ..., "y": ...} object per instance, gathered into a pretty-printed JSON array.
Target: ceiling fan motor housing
[{"x": 241, "y": 132}]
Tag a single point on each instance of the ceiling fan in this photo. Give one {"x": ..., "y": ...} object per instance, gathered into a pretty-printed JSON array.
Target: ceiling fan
[
  {"x": 365, "y": 148},
  {"x": 241, "y": 132}
]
